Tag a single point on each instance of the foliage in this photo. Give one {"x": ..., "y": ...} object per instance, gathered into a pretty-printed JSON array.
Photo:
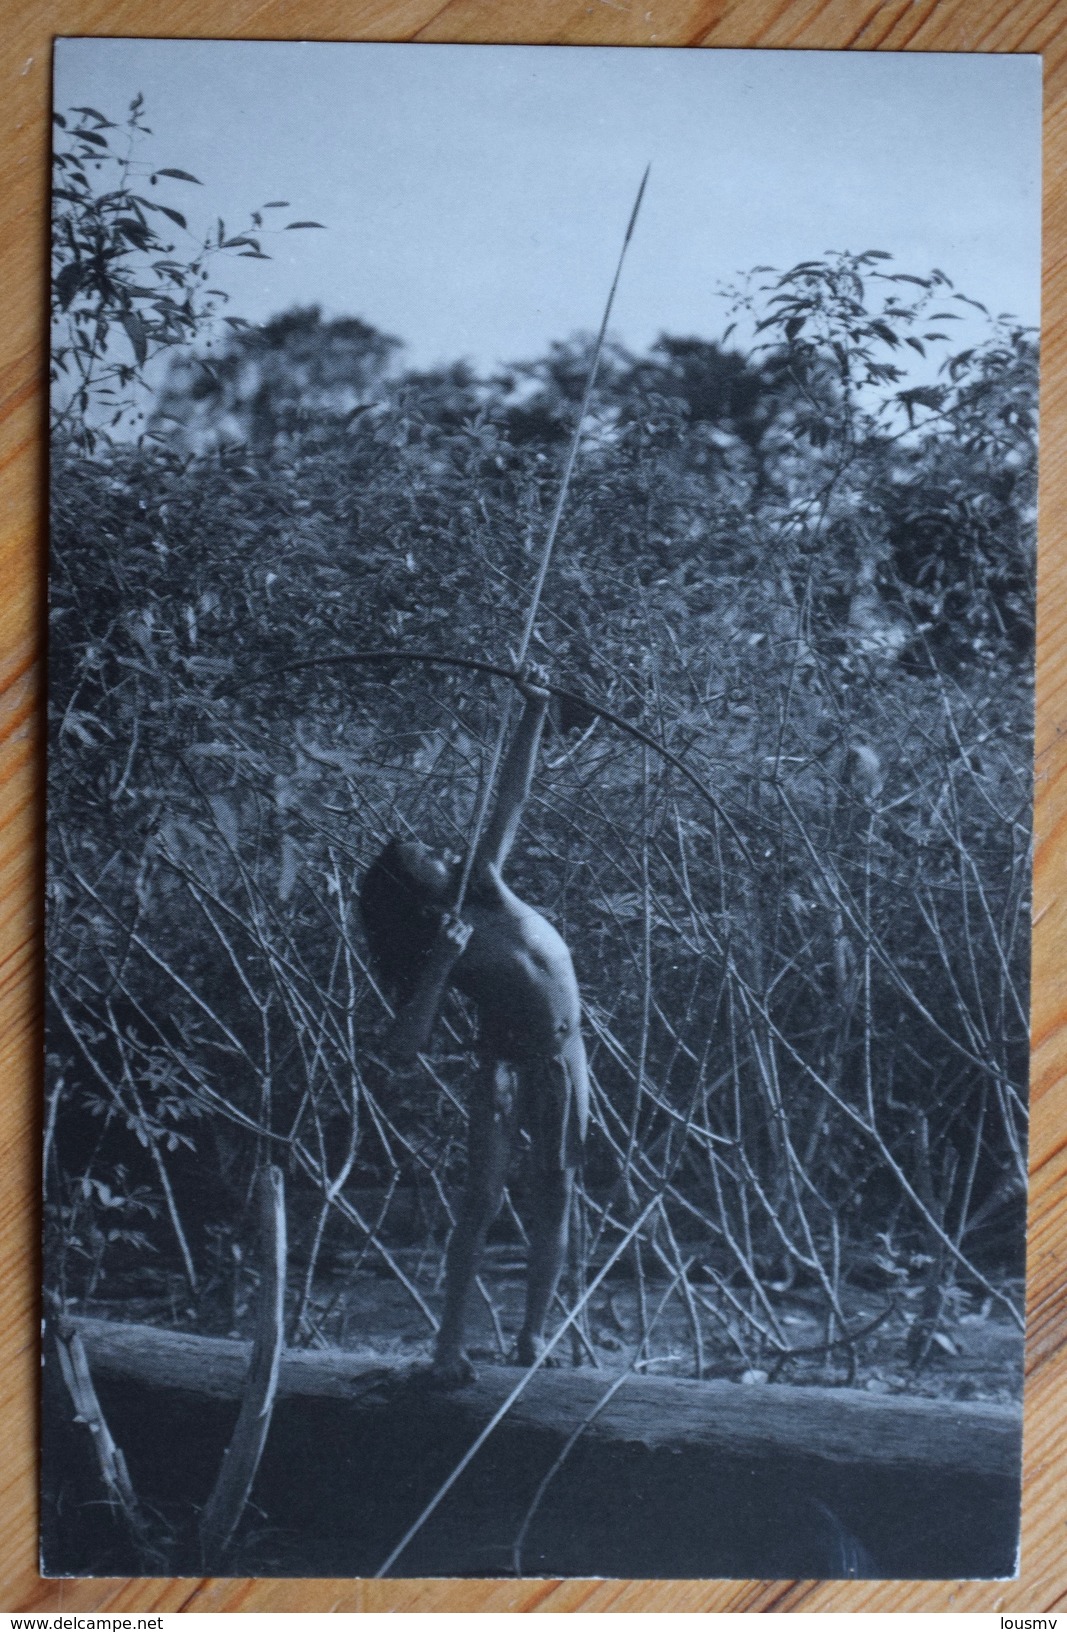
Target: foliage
[
  {"x": 805, "y": 982},
  {"x": 295, "y": 373},
  {"x": 127, "y": 287}
]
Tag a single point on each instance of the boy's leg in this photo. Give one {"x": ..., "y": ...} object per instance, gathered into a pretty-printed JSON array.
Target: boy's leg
[
  {"x": 555, "y": 1109},
  {"x": 549, "y": 1217},
  {"x": 491, "y": 1132}
]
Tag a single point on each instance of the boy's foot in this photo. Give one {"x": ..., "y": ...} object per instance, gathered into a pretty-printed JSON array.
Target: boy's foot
[{"x": 451, "y": 1371}]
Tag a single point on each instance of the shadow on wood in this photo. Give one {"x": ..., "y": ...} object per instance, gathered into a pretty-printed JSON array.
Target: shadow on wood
[{"x": 674, "y": 1478}]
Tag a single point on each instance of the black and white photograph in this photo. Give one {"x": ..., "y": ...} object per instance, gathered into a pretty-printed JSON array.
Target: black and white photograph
[{"x": 541, "y": 642}]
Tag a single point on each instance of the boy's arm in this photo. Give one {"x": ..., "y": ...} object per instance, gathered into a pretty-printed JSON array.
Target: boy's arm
[
  {"x": 516, "y": 779},
  {"x": 410, "y": 1031}
]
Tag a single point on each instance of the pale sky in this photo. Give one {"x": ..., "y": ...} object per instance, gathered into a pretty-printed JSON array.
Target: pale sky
[{"x": 475, "y": 196}]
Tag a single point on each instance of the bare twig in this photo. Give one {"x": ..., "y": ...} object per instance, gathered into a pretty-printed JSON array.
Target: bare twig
[{"x": 74, "y": 1367}]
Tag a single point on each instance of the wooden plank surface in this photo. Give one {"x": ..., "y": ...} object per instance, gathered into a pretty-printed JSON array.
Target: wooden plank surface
[
  {"x": 923, "y": 25},
  {"x": 839, "y": 1425}
]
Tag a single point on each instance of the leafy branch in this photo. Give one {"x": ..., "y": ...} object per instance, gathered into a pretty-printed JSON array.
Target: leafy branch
[{"x": 130, "y": 277}]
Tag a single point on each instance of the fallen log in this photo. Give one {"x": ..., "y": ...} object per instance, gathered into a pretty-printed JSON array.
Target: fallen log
[
  {"x": 670, "y": 1478},
  {"x": 761, "y": 1422}
]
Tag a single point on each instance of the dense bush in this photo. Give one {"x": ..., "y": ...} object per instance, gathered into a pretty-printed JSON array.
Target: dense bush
[{"x": 804, "y": 966}]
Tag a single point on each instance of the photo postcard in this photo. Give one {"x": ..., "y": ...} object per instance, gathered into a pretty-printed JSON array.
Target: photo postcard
[{"x": 539, "y": 815}]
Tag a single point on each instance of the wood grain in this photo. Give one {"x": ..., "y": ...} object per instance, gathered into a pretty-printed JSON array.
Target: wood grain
[
  {"x": 844, "y": 1426},
  {"x": 922, "y": 25}
]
